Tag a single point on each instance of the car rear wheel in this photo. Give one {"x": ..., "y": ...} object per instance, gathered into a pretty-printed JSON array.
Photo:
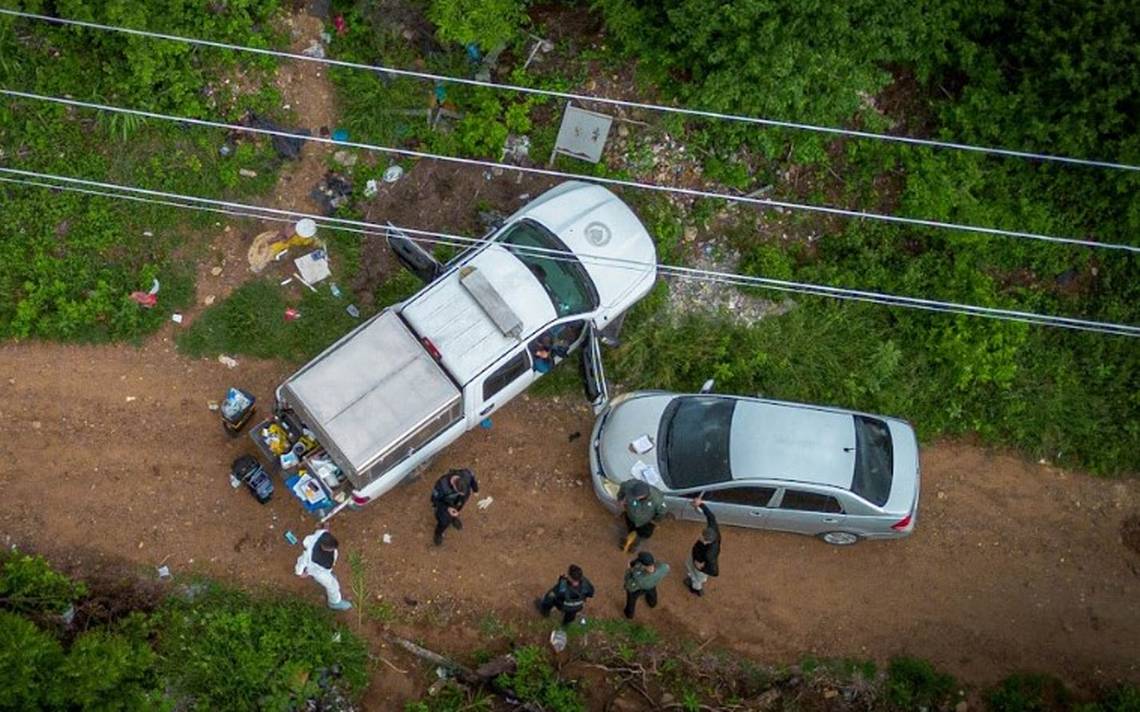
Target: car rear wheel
[{"x": 840, "y": 538}]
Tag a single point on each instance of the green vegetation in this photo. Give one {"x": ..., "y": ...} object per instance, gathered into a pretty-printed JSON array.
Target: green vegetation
[
  {"x": 71, "y": 260},
  {"x": 486, "y": 23},
  {"x": 205, "y": 648},
  {"x": 1005, "y": 74},
  {"x": 535, "y": 680}
]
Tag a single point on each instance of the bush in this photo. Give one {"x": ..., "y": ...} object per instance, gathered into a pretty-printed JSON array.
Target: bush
[
  {"x": 536, "y": 681},
  {"x": 28, "y": 584},
  {"x": 486, "y": 23},
  {"x": 1029, "y": 693},
  {"x": 224, "y": 649},
  {"x": 29, "y": 658},
  {"x": 914, "y": 684}
]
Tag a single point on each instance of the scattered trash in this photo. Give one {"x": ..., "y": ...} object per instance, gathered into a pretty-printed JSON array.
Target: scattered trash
[
  {"x": 131, "y": 399},
  {"x": 516, "y": 149},
  {"x": 485, "y": 423},
  {"x": 281, "y": 254},
  {"x": 247, "y": 173},
  {"x": 290, "y": 537},
  {"x": 340, "y": 135},
  {"x": 215, "y": 271},
  {"x": 352, "y": 311},
  {"x": 261, "y": 250},
  {"x": 289, "y": 460},
  {"x": 315, "y": 50},
  {"x": 334, "y": 289},
  {"x": 286, "y": 281},
  {"x": 340, "y": 25},
  {"x": 313, "y": 267},
  {"x": 292, "y": 314},
  {"x": 68, "y": 615},
  {"x": 226, "y": 150},
  {"x": 285, "y": 146},
  {"x": 163, "y": 572},
  {"x": 147, "y": 299},
  {"x": 371, "y": 188},
  {"x": 485, "y": 503},
  {"x": 387, "y": 538},
  {"x": 326, "y": 37},
  {"x": 209, "y": 299},
  {"x": 212, "y": 405},
  {"x": 393, "y": 174},
  {"x": 558, "y": 640},
  {"x": 300, "y": 279},
  {"x": 333, "y": 191},
  {"x": 148, "y": 233},
  {"x": 345, "y": 158},
  {"x": 227, "y": 361},
  {"x": 176, "y": 317},
  {"x": 305, "y": 227}
]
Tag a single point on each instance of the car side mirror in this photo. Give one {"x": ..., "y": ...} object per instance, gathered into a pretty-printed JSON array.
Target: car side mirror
[{"x": 708, "y": 386}]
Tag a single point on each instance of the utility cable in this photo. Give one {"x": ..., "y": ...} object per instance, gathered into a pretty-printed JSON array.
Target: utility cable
[
  {"x": 675, "y": 271},
  {"x": 692, "y": 192},
  {"x": 772, "y": 123}
]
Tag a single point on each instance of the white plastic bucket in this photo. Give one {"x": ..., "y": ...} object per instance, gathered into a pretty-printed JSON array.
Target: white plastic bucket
[{"x": 306, "y": 227}]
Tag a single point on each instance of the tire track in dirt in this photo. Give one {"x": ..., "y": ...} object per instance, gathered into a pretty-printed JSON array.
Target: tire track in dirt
[{"x": 1013, "y": 566}]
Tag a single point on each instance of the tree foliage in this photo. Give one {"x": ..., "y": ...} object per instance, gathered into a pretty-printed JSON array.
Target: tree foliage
[{"x": 486, "y": 23}]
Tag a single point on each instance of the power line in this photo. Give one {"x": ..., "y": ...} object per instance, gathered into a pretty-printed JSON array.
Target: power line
[
  {"x": 357, "y": 226},
  {"x": 773, "y": 123},
  {"x": 692, "y": 192}
]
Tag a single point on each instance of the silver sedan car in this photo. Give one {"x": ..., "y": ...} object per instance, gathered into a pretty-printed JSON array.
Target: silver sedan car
[{"x": 839, "y": 475}]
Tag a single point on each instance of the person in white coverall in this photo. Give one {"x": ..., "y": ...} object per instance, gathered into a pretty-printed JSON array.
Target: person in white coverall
[{"x": 316, "y": 561}]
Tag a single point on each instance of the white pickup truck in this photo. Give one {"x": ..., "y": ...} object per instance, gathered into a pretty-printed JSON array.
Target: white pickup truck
[{"x": 392, "y": 393}]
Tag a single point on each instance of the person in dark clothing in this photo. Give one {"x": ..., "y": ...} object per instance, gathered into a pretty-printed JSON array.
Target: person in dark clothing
[
  {"x": 703, "y": 562},
  {"x": 641, "y": 579},
  {"x": 448, "y": 497},
  {"x": 642, "y": 505},
  {"x": 568, "y": 595}
]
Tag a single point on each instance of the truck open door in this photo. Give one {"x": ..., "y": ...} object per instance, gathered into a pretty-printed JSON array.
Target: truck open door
[
  {"x": 593, "y": 375},
  {"x": 414, "y": 258}
]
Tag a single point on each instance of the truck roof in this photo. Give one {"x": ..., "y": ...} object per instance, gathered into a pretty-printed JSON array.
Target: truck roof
[
  {"x": 370, "y": 390},
  {"x": 467, "y": 338}
]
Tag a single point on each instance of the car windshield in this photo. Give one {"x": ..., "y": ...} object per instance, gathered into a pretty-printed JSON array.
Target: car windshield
[
  {"x": 694, "y": 436},
  {"x": 873, "y": 460},
  {"x": 561, "y": 275}
]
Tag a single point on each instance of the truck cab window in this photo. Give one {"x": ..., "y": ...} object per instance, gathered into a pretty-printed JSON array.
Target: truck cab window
[
  {"x": 506, "y": 374},
  {"x": 555, "y": 344},
  {"x": 556, "y": 268}
]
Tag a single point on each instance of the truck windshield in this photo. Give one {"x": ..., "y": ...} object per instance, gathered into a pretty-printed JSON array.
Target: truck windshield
[{"x": 556, "y": 268}]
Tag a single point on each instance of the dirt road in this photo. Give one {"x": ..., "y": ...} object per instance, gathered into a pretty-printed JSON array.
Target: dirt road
[{"x": 112, "y": 451}]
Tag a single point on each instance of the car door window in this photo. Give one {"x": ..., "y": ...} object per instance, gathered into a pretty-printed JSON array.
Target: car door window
[
  {"x": 747, "y": 496},
  {"x": 555, "y": 344},
  {"x": 506, "y": 374},
  {"x": 810, "y": 502}
]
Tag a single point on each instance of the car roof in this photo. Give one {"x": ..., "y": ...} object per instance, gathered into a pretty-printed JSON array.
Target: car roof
[{"x": 794, "y": 443}]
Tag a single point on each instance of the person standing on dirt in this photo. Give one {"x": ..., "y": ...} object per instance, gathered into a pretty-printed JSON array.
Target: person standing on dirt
[
  {"x": 642, "y": 504},
  {"x": 703, "y": 562},
  {"x": 448, "y": 497},
  {"x": 568, "y": 595},
  {"x": 317, "y": 561},
  {"x": 641, "y": 579}
]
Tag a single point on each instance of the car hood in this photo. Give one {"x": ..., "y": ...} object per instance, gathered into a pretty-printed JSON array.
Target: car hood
[{"x": 626, "y": 422}]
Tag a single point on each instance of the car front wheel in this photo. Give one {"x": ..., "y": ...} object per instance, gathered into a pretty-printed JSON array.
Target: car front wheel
[{"x": 840, "y": 538}]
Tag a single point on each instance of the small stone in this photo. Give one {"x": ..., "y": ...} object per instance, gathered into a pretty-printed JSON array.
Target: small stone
[
  {"x": 215, "y": 271},
  {"x": 345, "y": 158},
  {"x": 941, "y": 495},
  {"x": 623, "y": 131},
  {"x": 209, "y": 299},
  {"x": 36, "y": 425}
]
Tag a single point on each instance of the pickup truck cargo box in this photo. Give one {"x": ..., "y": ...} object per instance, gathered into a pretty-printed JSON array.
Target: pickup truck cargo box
[{"x": 374, "y": 397}]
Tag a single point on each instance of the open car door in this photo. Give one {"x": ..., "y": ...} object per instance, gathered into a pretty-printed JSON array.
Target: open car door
[
  {"x": 414, "y": 258},
  {"x": 593, "y": 375}
]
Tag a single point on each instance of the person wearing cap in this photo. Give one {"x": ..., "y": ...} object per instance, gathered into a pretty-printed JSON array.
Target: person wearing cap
[
  {"x": 703, "y": 562},
  {"x": 642, "y": 504},
  {"x": 641, "y": 579},
  {"x": 568, "y": 595},
  {"x": 448, "y": 497},
  {"x": 316, "y": 562}
]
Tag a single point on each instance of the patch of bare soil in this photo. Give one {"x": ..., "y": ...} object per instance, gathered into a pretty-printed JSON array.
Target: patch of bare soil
[
  {"x": 1130, "y": 533},
  {"x": 1013, "y": 566}
]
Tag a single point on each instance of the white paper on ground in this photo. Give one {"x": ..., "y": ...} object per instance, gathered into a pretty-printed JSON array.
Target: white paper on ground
[{"x": 313, "y": 267}]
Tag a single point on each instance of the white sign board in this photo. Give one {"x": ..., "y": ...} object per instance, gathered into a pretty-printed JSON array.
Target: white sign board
[{"x": 582, "y": 134}]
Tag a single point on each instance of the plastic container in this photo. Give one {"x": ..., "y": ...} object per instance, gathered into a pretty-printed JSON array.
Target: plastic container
[{"x": 306, "y": 227}]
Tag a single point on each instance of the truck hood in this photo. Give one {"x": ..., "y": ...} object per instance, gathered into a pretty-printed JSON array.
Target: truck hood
[{"x": 612, "y": 244}]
